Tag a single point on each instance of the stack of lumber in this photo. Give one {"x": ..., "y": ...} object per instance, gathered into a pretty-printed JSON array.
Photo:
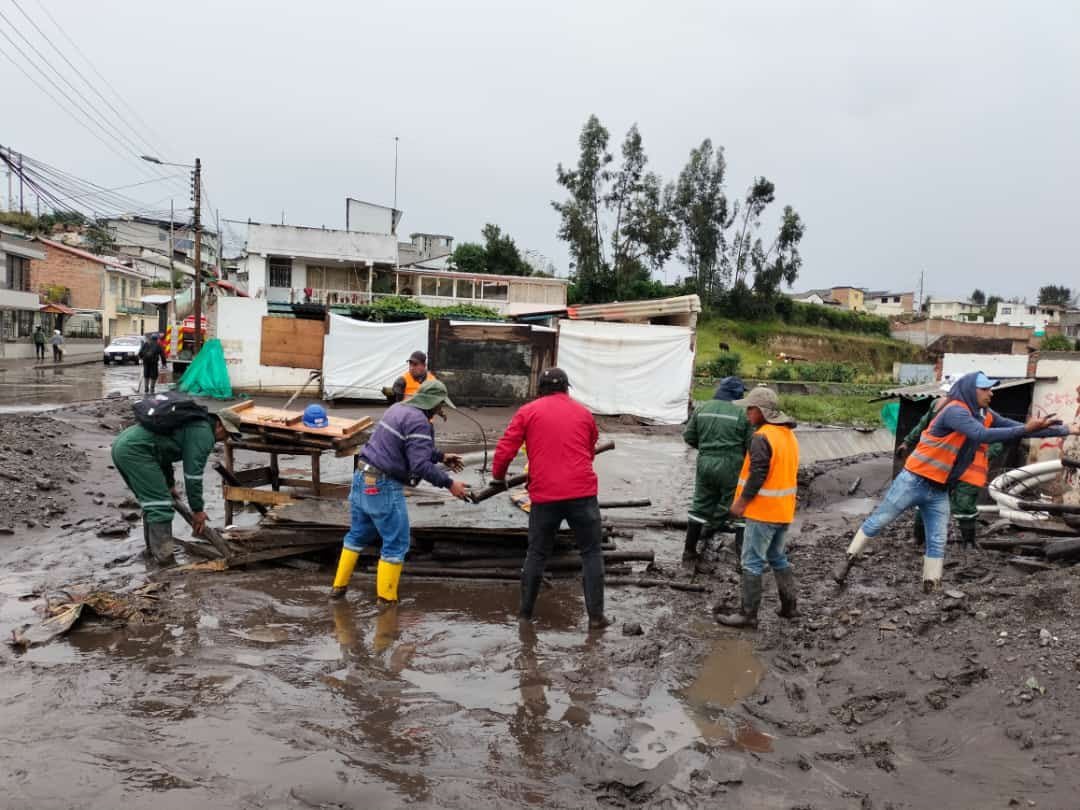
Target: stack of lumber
[{"x": 280, "y": 431}]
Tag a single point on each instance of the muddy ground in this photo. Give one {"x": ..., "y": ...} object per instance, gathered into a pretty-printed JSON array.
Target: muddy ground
[{"x": 249, "y": 689}]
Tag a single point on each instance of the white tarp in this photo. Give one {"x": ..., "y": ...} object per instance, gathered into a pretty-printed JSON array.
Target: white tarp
[
  {"x": 955, "y": 366},
  {"x": 360, "y": 358},
  {"x": 631, "y": 368}
]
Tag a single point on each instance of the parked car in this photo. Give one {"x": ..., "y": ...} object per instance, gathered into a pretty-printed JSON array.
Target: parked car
[{"x": 124, "y": 349}]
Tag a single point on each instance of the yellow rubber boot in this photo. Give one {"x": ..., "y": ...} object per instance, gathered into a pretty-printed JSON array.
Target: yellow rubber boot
[
  {"x": 386, "y": 580},
  {"x": 345, "y": 568}
]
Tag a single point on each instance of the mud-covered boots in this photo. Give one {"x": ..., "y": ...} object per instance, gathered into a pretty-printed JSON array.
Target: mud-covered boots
[
  {"x": 842, "y": 570},
  {"x": 785, "y": 586},
  {"x": 931, "y": 573},
  {"x": 967, "y": 534},
  {"x": 751, "y": 601},
  {"x": 693, "y": 534},
  {"x": 159, "y": 542},
  {"x": 739, "y": 532}
]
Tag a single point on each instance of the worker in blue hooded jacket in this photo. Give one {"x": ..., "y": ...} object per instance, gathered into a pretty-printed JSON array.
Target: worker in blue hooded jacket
[
  {"x": 947, "y": 449},
  {"x": 721, "y": 433}
]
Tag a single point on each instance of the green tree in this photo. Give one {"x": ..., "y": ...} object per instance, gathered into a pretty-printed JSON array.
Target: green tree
[
  {"x": 1057, "y": 343},
  {"x": 502, "y": 255},
  {"x": 989, "y": 311},
  {"x": 469, "y": 257},
  {"x": 978, "y": 297},
  {"x": 579, "y": 214},
  {"x": 700, "y": 207},
  {"x": 1055, "y": 295}
]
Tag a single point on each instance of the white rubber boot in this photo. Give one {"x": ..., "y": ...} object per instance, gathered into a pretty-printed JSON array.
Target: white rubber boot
[{"x": 932, "y": 568}]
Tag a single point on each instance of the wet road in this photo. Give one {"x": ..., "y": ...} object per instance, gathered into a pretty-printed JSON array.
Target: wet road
[{"x": 28, "y": 389}]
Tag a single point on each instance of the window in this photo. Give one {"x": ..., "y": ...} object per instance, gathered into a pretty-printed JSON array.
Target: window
[
  {"x": 446, "y": 287},
  {"x": 429, "y": 286},
  {"x": 17, "y": 274},
  {"x": 1006, "y": 310},
  {"x": 896, "y": 299},
  {"x": 494, "y": 290},
  {"x": 114, "y": 285},
  {"x": 465, "y": 288},
  {"x": 281, "y": 273},
  {"x": 1031, "y": 310}
]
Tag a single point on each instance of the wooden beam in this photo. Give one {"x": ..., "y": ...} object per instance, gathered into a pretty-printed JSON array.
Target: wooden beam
[{"x": 252, "y": 495}]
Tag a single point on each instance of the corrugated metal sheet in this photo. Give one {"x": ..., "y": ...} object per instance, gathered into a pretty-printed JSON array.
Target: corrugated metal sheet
[
  {"x": 636, "y": 310},
  {"x": 933, "y": 390}
]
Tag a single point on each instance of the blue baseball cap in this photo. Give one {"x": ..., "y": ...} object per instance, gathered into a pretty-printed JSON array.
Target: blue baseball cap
[{"x": 982, "y": 381}]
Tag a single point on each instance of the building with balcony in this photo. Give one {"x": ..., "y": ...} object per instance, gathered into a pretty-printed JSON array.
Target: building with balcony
[
  {"x": 103, "y": 292},
  {"x": 290, "y": 265},
  {"x": 18, "y": 301},
  {"x": 135, "y": 236}
]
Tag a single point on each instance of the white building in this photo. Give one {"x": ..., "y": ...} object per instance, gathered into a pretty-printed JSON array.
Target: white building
[
  {"x": 135, "y": 235},
  {"x": 289, "y": 264},
  {"x": 889, "y": 304},
  {"x": 19, "y": 302},
  {"x": 955, "y": 310},
  {"x": 1031, "y": 315}
]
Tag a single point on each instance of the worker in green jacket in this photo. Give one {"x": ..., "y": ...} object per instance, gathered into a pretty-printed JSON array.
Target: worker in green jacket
[
  {"x": 721, "y": 433},
  {"x": 145, "y": 460},
  {"x": 963, "y": 497}
]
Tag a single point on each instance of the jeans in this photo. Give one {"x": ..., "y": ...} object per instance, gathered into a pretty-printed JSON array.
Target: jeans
[
  {"x": 763, "y": 545},
  {"x": 39, "y": 348},
  {"x": 583, "y": 515},
  {"x": 377, "y": 505},
  {"x": 910, "y": 490}
]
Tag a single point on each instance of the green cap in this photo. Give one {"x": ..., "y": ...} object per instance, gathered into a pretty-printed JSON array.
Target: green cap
[{"x": 430, "y": 396}]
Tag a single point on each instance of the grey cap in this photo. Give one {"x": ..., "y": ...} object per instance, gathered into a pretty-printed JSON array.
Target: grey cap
[
  {"x": 229, "y": 421},
  {"x": 766, "y": 401}
]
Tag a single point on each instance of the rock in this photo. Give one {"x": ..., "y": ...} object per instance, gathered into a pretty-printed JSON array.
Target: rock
[
  {"x": 118, "y": 528},
  {"x": 1045, "y": 637},
  {"x": 131, "y": 516},
  {"x": 954, "y": 594},
  {"x": 31, "y": 523},
  {"x": 839, "y": 633},
  {"x": 44, "y": 484},
  {"x": 632, "y": 629}
]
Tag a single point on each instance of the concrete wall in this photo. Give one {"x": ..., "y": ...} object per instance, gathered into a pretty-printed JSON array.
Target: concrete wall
[
  {"x": 239, "y": 325},
  {"x": 74, "y": 349},
  {"x": 925, "y": 332},
  {"x": 993, "y": 365},
  {"x": 85, "y": 278},
  {"x": 1059, "y": 397}
]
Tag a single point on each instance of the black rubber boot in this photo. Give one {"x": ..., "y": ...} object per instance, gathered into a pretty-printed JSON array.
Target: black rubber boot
[
  {"x": 739, "y": 532},
  {"x": 751, "y": 601},
  {"x": 785, "y": 586},
  {"x": 967, "y": 534},
  {"x": 693, "y": 534},
  {"x": 160, "y": 542}
]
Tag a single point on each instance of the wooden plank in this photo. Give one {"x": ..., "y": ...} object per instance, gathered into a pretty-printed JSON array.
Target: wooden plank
[
  {"x": 255, "y": 477},
  {"x": 254, "y": 418},
  {"x": 251, "y": 495},
  {"x": 291, "y": 342}
]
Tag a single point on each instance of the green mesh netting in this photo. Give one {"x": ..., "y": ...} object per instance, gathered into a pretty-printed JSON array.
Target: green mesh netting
[
  {"x": 207, "y": 375},
  {"x": 890, "y": 414}
]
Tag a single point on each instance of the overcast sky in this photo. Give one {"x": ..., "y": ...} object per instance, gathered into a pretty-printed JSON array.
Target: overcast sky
[{"x": 936, "y": 136}]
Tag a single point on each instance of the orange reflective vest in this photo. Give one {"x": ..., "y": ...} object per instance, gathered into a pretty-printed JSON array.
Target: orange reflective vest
[
  {"x": 934, "y": 456},
  {"x": 775, "y": 501},
  {"x": 412, "y": 386}
]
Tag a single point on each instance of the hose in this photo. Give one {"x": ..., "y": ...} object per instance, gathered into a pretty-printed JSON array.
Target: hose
[{"x": 483, "y": 439}]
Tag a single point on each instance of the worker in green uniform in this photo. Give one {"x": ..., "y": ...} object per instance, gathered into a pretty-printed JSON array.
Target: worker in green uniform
[
  {"x": 145, "y": 459},
  {"x": 963, "y": 497},
  {"x": 721, "y": 433}
]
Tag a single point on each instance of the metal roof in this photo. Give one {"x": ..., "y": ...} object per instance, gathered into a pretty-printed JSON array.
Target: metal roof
[{"x": 933, "y": 390}]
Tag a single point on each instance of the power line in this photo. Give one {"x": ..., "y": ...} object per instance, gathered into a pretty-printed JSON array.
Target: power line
[
  {"x": 98, "y": 73},
  {"x": 101, "y": 124}
]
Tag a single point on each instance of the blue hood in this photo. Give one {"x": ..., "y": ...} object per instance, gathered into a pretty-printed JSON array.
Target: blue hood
[{"x": 730, "y": 389}]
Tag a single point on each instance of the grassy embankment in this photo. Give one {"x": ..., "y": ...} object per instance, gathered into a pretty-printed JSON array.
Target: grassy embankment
[{"x": 871, "y": 356}]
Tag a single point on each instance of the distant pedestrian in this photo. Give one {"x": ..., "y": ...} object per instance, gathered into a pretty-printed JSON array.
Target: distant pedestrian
[
  {"x": 57, "y": 341},
  {"x": 406, "y": 386},
  {"x": 768, "y": 484},
  {"x": 561, "y": 435},
  {"x": 39, "y": 342},
  {"x": 150, "y": 353}
]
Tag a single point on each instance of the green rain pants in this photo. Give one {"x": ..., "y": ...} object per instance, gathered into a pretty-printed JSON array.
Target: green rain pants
[
  {"x": 134, "y": 458},
  {"x": 714, "y": 490}
]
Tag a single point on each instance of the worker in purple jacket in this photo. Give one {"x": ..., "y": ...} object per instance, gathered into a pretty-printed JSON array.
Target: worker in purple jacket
[{"x": 400, "y": 453}]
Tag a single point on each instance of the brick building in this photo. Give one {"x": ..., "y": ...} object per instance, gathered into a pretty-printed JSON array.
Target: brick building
[{"x": 105, "y": 294}]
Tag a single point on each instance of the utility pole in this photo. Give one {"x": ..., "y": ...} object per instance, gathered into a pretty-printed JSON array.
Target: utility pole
[
  {"x": 922, "y": 305},
  {"x": 20, "y": 186},
  {"x": 198, "y": 254},
  {"x": 217, "y": 227},
  {"x": 395, "y": 181},
  {"x": 10, "y": 198},
  {"x": 172, "y": 273}
]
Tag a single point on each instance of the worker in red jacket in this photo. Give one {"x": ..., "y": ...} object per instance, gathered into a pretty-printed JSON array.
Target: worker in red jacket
[{"x": 561, "y": 436}]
